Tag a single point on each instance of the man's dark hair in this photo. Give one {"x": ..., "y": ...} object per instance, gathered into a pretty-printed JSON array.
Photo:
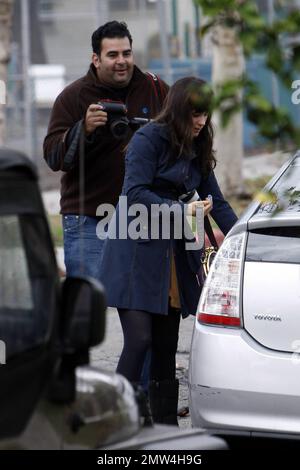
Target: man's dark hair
[{"x": 112, "y": 29}]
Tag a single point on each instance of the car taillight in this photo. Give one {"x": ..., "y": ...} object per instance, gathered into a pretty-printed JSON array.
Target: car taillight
[{"x": 219, "y": 301}]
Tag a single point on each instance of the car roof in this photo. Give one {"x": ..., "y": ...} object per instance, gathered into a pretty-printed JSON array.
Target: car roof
[{"x": 15, "y": 161}]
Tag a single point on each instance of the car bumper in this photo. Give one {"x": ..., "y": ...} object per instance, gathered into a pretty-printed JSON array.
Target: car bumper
[
  {"x": 163, "y": 437},
  {"x": 237, "y": 384}
]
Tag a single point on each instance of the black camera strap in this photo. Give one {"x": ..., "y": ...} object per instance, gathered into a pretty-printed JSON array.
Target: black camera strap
[
  {"x": 210, "y": 233},
  {"x": 81, "y": 195},
  {"x": 157, "y": 86}
]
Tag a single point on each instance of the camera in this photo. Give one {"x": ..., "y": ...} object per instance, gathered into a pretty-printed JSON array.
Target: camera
[
  {"x": 117, "y": 119},
  {"x": 191, "y": 196}
]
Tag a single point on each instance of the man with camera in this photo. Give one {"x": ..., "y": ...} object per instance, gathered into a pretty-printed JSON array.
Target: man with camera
[{"x": 91, "y": 123}]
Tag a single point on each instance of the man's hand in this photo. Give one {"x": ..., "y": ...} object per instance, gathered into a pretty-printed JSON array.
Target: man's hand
[{"x": 94, "y": 118}]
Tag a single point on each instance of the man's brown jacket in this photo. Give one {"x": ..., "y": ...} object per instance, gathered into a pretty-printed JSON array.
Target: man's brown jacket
[{"x": 103, "y": 155}]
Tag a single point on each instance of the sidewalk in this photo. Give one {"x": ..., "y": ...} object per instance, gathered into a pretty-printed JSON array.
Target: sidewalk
[{"x": 264, "y": 164}]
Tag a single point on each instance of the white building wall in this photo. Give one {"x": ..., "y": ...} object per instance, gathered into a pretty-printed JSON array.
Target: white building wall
[
  {"x": 68, "y": 34},
  {"x": 68, "y": 31}
]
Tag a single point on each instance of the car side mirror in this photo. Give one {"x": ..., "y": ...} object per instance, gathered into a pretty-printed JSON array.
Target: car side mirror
[
  {"x": 81, "y": 326},
  {"x": 82, "y": 314}
]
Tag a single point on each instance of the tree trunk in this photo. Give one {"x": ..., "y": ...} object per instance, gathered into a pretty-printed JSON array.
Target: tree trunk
[
  {"x": 6, "y": 9},
  {"x": 228, "y": 63}
]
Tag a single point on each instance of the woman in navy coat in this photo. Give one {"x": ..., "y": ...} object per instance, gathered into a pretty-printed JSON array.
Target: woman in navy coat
[{"x": 152, "y": 279}]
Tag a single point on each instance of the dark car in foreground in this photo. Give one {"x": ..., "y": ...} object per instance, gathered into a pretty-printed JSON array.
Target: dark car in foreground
[{"x": 244, "y": 364}]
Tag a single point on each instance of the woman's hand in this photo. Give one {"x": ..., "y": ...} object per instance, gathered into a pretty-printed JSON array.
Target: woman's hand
[{"x": 206, "y": 204}]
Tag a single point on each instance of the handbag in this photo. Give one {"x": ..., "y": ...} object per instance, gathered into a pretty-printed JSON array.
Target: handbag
[{"x": 208, "y": 254}]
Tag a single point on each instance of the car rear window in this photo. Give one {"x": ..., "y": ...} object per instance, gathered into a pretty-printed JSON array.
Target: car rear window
[
  {"x": 274, "y": 244},
  {"x": 287, "y": 191}
]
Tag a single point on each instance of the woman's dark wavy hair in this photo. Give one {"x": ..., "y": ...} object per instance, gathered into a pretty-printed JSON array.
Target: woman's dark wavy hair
[{"x": 188, "y": 95}]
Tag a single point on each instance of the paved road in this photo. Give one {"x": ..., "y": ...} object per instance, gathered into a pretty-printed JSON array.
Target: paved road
[{"x": 106, "y": 355}]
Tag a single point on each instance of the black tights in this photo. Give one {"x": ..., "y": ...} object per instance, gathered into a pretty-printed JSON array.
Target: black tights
[{"x": 142, "y": 331}]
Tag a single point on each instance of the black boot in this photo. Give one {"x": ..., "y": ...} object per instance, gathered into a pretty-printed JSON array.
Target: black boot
[
  {"x": 164, "y": 400},
  {"x": 143, "y": 404}
]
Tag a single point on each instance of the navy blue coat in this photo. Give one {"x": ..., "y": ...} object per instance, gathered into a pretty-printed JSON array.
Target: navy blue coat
[{"x": 136, "y": 273}]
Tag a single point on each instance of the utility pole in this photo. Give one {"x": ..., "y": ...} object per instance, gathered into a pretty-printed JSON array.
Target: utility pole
[
  {"x": 5, "y": 37},
  {"x": 143, "y": 20},
  {"x": 274, "y": 81},
  {"x": 197, "y": 30},
  {"x": 102, "y": 12},
  {"x": 161, "y": 12},
  {"x": 27, "y": 82}
]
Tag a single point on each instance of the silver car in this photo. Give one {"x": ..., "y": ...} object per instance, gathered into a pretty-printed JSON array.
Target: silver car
[{"x": 244, "y": 373}]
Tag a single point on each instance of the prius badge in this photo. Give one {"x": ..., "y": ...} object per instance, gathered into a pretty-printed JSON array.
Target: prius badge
[{"x": 267, "y": 317}]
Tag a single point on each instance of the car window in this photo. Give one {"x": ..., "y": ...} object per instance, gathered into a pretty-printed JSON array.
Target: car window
[
  {"x": 15, "y": 289},
  {"x": 274, "y": 244},
  {"x": 290, "y": 178},
  {"x": 27, "y": 283},
  {"x": 287, "y": 190}
]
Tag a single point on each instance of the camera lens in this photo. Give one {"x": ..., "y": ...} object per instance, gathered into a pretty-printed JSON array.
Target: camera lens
[{"x": 119, "y": 128}]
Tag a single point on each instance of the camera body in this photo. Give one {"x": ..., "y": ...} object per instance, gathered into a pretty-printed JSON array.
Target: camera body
[
  {"x": 192, "y": 196},
  {"x": 189, "y": 197},
  {"x": 117, "y": 120}
]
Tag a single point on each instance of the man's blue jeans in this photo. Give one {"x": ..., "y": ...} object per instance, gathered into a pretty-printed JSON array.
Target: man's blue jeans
[{"x": 82, "y": 247}]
